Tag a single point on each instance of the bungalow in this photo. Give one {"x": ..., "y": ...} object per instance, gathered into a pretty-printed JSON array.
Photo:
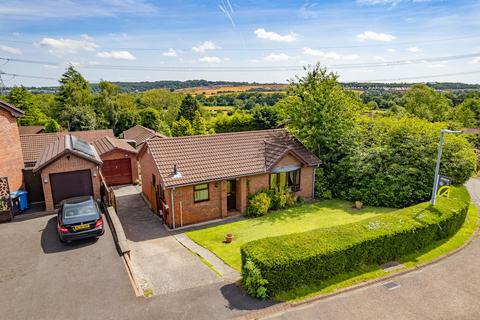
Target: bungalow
[
  {"x": 193, "y": 179},
  {"x": 138, "y": 134}
]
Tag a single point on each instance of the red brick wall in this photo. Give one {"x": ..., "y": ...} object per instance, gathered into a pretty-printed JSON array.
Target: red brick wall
[
  {"x": 65, "y": 165},
  {"x": 11, "y": 160},
  {"x": 119, "y": 154},
  {"x": 147, "y": 169}
]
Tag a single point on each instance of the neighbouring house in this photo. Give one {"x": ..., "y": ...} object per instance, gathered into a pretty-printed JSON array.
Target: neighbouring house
[
  {"x": 194, "y": 179},
  {"x": 31, "y": 129},
  {"x": 68, "y": 167},
  {"x": 119, "y": 161},
  {"x": 11, "y": 164},
  {"x": 138, "y": 134},
  {"x": 32, "y": 147}
]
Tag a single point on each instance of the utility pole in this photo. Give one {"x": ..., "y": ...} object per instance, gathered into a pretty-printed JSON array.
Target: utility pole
[
  {"x": 437, "y": 166},
  {"x": 3, "y": 89}
]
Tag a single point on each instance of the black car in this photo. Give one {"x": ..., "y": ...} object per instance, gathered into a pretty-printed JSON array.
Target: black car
[{"x": 79, "y": 218}]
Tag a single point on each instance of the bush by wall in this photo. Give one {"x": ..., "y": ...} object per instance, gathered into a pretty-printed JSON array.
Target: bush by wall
[
  {"x": 258, "y": 205},
  {"x": 285, "y": 262}
]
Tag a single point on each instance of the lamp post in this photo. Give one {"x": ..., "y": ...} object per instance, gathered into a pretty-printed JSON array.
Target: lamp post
[{"x": 437, "y": 167}]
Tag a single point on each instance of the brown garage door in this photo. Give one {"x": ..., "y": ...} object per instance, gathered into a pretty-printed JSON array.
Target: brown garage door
[
  {"x": 70, "y": 184},
  {"x": 117, "y": 172}
]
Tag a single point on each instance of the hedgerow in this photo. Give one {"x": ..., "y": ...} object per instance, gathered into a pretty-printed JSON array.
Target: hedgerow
[{"x": 285, "y": 262}]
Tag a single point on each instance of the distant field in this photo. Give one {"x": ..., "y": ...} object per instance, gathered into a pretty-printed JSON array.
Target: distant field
[
  {"x": 232, "y": 89},
  {"x": 218, "y": 108}
]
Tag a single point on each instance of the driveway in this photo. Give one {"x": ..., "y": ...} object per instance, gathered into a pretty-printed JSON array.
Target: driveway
[
  {"x": 446, "y": 290},
  {"x": 160, "y": 262},
  {"x": 41, "y": 278}
]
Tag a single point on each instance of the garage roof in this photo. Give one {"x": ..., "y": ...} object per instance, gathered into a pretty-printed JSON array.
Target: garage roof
[
  {"x": 106, "y": 144},
  {"x": 17, "y": 113},
  {"x": 67, "y": 145},
  {"x": 140, "y": 134}
]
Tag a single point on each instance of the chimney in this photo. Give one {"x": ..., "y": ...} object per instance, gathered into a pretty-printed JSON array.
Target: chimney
[{"x": 175, "y": 170}]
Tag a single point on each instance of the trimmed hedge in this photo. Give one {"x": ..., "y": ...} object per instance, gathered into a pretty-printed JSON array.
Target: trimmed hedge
[{"x": 285, "y": 262}]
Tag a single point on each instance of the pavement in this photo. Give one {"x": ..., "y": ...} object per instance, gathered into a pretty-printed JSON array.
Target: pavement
[{"x": 446, "y": 290}]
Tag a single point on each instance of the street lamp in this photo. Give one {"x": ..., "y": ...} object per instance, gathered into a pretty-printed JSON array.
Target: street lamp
[{"x": 437, "y": 167}]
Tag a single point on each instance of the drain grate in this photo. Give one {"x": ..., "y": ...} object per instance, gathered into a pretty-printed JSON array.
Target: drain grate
[{"x": 391, "y": 285}]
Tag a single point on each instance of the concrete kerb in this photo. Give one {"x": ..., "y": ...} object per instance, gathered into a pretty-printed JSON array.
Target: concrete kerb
[
  {"x": 122, "y": 246},
  {"x": 285, "y": 306}
]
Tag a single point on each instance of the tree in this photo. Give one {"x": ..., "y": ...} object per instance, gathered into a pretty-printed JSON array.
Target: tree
[
  {"x": 73, "y": 102},
  {"x": 106, "y": 106},
  {"x": 150, "y": 118},
  {"x": 323, "y": 116},
  {"x": 265, "y": 117},
  {"x": 127, "y": 118},
  {"x": 426, "y": 103},
  {"x": 182, "y": 127},
  {"x": 238, "y": 121},
  {"x": 162, "y": 100},
  {"x": 21, "y": 98},
  {"x": 467, "y": 113},
  {"x": 199, "y": 125},
  {"x": 188, "y": 107},
  {"x": 52, "y": 126}
]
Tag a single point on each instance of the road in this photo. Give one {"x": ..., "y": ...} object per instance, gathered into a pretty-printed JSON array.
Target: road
[{"x": 447, "y": 290}]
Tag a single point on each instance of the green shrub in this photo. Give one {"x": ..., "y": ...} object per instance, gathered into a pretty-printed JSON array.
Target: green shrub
[
  {"x": 285, "y": 262},
  {"x": 258, "y": 205},
  {"x": 254, "y": 283}
]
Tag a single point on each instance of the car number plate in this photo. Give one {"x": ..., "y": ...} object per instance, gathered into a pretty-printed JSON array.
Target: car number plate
[{"x": 81, "y": 227}]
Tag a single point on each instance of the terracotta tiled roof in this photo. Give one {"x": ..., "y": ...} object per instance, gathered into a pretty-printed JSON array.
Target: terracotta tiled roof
[
  {"x": 107, "y": 144},
  {"x": 66, "y": 145},
  {"x": 13, "y": 110},
  {"x": 30, "y": 129},
  {"x": 34, "y": 144},
  {"x": 140, "y": 134},
  {"x": 222, "y": 156}
]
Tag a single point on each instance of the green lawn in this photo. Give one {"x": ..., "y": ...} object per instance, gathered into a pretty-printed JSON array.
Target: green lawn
[{"x": 306, "y": 217}]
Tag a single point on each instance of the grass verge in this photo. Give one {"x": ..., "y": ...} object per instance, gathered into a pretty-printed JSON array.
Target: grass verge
[{"x": 365, "y": 273}]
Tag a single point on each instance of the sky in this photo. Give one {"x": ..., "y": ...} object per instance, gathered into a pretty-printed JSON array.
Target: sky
[{"x": 262, "y": 41}]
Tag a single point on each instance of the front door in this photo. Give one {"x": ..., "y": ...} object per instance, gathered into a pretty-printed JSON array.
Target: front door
[{"x": 231, "y": 195}]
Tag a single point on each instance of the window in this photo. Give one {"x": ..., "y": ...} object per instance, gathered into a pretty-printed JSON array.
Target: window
[
  {"x": 286, "y": 180},
  {"x": 200, "y": 192}
]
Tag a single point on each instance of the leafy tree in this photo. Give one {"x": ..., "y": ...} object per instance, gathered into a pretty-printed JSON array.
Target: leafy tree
[
  {"x": 106, "y": 105},
  {"x": 426, "y": 103},
  {"x": 52, "y": 126},
  {"x": 199, "y": 125},
  {"x": 164, "y": 101},
  {"x": 393, "y": 162},
  {"x": 188, "y": 108},
  {"x": 127, "y": 118},
  {"x": 322, "y": 115},
  {"x": 238, "y": 121},
  {"x": 467, "y": 113},
  {"x": 23, "y": 99},
  {"x": 73, "y": 102},
  {"x": 265, "y": 117},
  {"x": 150, "y": 118},
  {"x": 182, "y": 127}
]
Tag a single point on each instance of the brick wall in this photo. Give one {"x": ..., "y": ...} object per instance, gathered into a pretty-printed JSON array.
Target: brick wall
[
  {"x": 119, "y": 154},
  {"x": 11, "y": 160},
  {"x": 147, "y": 169},
  {"x": 64, "y": 165}
]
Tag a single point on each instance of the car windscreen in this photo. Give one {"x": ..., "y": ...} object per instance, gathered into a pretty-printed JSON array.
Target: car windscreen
[{"x": 80, "y": 211}]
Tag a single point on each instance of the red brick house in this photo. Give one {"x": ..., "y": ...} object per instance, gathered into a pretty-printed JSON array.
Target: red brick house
[
  {"x": 68, "y": 167},
  {"x": 11, "y": 163},
  {"x": 200, "y": 178}
]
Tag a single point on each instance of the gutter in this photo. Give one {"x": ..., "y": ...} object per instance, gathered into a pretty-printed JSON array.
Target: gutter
[{"x": 173, "y": 206}]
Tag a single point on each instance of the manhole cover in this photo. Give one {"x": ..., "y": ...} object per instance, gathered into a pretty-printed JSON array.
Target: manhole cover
[
  {"x": 391, "y": 285},
  {"x": 392, "y": 265}
]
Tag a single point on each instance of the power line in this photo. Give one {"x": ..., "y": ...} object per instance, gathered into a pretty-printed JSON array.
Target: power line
[
  {"x": 249, "y": 68},
  {"x": 16, "y": 75},
  {"x": 423, "y": 77}
]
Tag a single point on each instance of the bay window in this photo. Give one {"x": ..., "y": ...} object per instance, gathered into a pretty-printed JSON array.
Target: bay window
[{"x": 289, "y": 180}]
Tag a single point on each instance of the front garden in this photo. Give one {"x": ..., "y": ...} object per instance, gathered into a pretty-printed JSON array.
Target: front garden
[{"x": 320, "y": 247}]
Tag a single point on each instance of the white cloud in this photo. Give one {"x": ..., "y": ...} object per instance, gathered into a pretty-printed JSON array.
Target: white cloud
[
  {"x": 170, "y": 53},
  {"x": 475, "y": 60},
  {"x": 206, "y": 45},
  {"x": 261, "y": 33},
  {"x": 60, "y": 46},
  {"x": 391, "y": 50},
  {"x": 414, "y": 49},
  {"x": 329, "y": 55},
  {"x": 210, "y": 59},
  {"x": 86, "y": 37},
  {"x": 11, "y": 50},
  {"x": 375, "y": 36},
  {"x": 124, "y": 55},
  {"x": 380, "y": 58},
  {"x": 277, "y": 57}
]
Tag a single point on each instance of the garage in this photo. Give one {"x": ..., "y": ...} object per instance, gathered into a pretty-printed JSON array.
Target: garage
[
  {"x": 119, "y": 161},
  {"x": 70, "y": 184},
  {"x": 117, "y": 172}
]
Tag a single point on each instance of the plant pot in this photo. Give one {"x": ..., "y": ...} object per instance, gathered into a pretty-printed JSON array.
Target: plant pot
[
  {"x": 228, "y": 238},
  {"x": 358, "y": 204}
]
